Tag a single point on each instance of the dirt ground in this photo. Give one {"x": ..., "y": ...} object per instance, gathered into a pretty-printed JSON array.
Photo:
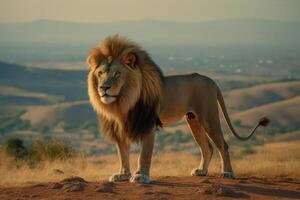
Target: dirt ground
[{"x": 160, "y": 188}]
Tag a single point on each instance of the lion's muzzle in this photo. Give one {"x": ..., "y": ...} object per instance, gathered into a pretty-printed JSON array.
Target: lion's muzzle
[{"x": 107, "y": 99}]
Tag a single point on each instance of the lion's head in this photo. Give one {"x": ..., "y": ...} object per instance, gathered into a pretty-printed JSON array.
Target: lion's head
[
  {"x": 112, "y": 78},
  {"x": 124, "y": 86}
]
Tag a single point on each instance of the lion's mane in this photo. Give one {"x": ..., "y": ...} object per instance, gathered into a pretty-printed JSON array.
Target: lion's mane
[{"x": 135, "y": 112}]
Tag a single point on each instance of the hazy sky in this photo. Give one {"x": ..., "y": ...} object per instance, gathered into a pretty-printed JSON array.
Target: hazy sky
[{"x": 174, "y": 10}]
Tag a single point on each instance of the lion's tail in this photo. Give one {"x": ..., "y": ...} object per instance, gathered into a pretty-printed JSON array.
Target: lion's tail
[{"x": 262, "y": 122}]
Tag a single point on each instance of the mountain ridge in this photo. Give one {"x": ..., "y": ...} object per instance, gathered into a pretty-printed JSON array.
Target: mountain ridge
[{"x": 247, "y": 31}]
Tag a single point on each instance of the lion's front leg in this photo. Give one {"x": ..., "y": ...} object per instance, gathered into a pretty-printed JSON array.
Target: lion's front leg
[
  {"x": 144, "y": 162},
  {"x": 124, "y": 172}
]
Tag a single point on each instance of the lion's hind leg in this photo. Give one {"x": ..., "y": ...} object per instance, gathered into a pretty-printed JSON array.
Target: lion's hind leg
[
  {"x": 215, "y": 133},
  {"x": 202, "y": 140}
]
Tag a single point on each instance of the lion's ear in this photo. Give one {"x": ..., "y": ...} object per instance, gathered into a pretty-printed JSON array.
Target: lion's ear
[
  {"x": 94, "y": 58},
  {"x": 130, "y": 60},
  {"x": 89, "y": 61}
]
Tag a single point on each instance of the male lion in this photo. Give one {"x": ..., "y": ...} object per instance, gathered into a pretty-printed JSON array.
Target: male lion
[{"x": 132, "y": 98}]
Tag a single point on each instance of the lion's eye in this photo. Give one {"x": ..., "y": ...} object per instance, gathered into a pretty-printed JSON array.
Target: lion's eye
[
  {"x": 117, "y": 74},
  {"x": 100, "y": 73}
]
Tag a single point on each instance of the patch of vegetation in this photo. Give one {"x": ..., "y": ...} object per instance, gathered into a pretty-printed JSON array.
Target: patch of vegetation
[
  {"x": 249, "y": 103},
  {"x": 13, "y": 123},
  {"x": 91, "y": 126},
  {"x": 110, "y": 149},
  {"x": 41, "y": 129},
  {"x": 276, "y": 128},
  {"x": 174, "y": 140},
  {"x": 248, "y": 150},
  {"x": 38, "y": 151},
  {"x": 237, "y": 122},
  {"x": 51, "y": 150},
  {"x": 14, "y": 147},
  {"x": 287, "y": 129}
]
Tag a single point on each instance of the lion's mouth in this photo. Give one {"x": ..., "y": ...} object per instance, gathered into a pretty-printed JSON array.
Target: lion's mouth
[
  {"x": 107, "y": 95},
  {"x": 107, "y": 99}
]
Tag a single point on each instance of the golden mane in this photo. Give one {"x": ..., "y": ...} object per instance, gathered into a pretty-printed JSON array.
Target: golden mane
[{"x": 135, "y": 113}]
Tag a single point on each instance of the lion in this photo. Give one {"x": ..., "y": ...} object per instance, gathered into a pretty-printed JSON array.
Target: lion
[{"x": 132, "y": 98}]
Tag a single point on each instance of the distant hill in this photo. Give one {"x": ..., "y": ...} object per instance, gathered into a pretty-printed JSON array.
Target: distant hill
[
  {"x": 69, "y": 84},
  {"x": 284, "y": 114},
  {"x": 72, "y": 113},
  {"x": 10, "y": 96},
  {"x": 287, "y": 137},
  {"x": 241, "y": 99},
  {"x": 236, "y": 32}
]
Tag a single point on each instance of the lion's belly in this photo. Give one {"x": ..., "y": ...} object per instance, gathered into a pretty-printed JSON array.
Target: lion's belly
[
  {"x": 176, "y": 99},
  {"x": 168, "y": 120},
  {"x": 174, "y": 110}
]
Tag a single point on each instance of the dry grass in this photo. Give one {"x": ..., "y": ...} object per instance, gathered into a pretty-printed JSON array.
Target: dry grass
[
  {"x": 269, "y": 161},
  {"x": 272, "y": 160}
]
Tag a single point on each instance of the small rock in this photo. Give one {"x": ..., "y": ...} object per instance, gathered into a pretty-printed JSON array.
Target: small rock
[
  {"x": 243, "y": 181},
  {"x": 74, "y": 187},
  {"x": 73, "y": 179},
  {"x": 58, "y": 171},
  {"x": 107, "y": 187},
  {"x": 224, "y": 192},
  {"x": 204, "y": 181},
  {"x": 56, "y": 186},
  {"x": 38, "y": 185}
]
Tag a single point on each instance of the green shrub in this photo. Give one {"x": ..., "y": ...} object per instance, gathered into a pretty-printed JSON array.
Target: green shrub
[
  {"x": 237, "y": 122},
  {"x": 14, "y": 147},
  {"x": 13, "y": 123}
]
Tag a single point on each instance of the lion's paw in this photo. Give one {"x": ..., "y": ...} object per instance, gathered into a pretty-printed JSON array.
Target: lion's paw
[
  {"x": 120, "y": 177},
  {"x": 199, "y": 172},
  {"x": 140, "y": 178},
  {"x": 229, "y": 175}
]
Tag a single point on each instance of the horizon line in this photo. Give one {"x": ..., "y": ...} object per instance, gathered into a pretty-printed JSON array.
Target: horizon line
[{"x": 151, "y": 19}]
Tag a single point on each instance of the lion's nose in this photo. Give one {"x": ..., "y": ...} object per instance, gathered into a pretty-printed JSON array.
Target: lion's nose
[{"x": 105, "y": 87}]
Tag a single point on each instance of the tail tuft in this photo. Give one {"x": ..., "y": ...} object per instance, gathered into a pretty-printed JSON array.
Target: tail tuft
[{"x": 264, "y": 121}]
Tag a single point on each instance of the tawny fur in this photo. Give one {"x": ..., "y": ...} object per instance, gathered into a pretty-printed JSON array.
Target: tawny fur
[
  {"x": 141, "y": 94},
  {"x": 148, "y": 98}
]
